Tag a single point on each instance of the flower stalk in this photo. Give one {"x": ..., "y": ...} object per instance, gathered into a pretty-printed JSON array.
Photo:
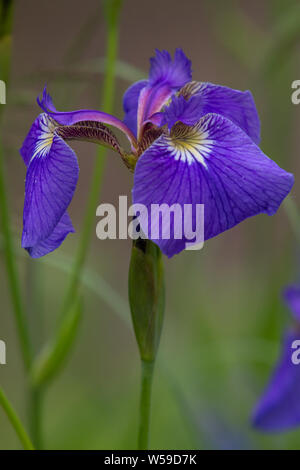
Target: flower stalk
[
  {"x": 147, "y": 370},
  {"x": 147, "y": 304}
]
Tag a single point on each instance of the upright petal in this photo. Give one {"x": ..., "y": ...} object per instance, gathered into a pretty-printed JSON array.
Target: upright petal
[
  {"x": 175, "y": 72},
  {"x": 62, "y": 229},
  {"x": 180, "y": 110},
  {"x": 130, "y": 104},
  {"x": 50, "y": 184},
  {"x": 238, "y": 106},
  {"x": 279, "y": 407},
  {"x": 291, "y": 296},
  {"x": 166, "y": 77},
  {"x": 47, "y": 101},
  {"x": 212, "y": 163}
]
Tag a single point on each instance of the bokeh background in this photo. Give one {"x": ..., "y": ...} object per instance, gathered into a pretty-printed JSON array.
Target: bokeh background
[{"x": 224, "y": 315}]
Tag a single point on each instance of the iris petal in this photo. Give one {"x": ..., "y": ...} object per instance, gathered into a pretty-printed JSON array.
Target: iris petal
[
  {"x": 213, "y": 163},
  {"x": 238, "y": 106},
  {"x": 179, "y": 110},
  {"x": 73, "y": 117},
  {"x": 130, "y": 104},
  {"x": 166, "y": 77},
  {"x": 50, "y": 183},
  {"x": 279, "y": 407},
  {"x": 47, "y": 101},
  {"x": 37, "y": 135},
  {"x": 175, "y": 73},
  {"x": 292, "y": 298},
  {"x": 62, "y": 229}
]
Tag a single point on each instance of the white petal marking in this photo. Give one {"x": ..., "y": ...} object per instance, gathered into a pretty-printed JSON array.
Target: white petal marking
[
  {"x": 45, "y": 139},
  {"x": 190, "y": 144}
]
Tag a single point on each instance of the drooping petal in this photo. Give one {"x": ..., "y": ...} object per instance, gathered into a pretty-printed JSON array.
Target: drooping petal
[
  {"x": 130, "y": 104},
  {"x": 279, "y": 407},
  {"x": 238, "y": 106},
  {"x": 62, "y": 229},
  {"x": 73, "y": 117},
  {"x": 292, "y": 298},
  {"x": 166, "y": 77},
  {"x": 90, "y": 131},
  {"x": 39, "y": 136},
  {"x": 212, "y": 163},
  {"x": 50, "y": 184}
]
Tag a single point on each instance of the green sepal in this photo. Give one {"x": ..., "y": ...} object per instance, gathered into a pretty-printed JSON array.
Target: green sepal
[{"x": 147, "y": 296}]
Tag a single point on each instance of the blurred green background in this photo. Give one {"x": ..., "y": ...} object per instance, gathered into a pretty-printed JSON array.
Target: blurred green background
[{"x": 224, "y": 315}]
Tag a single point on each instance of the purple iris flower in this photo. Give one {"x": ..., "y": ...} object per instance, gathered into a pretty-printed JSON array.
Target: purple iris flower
[
  {"x": 279, "y": 407},
  {"x": 190, "y": 143}
]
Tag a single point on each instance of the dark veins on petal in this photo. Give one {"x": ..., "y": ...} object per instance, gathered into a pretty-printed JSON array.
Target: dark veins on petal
[
  {"x": 90, "y": 131},
  {"x": 190, "y": 89},
  {"x": 150, "y": 134}
]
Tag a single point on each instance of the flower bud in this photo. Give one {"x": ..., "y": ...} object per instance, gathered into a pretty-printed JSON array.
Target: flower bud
[{"x": 146, "y": 296}]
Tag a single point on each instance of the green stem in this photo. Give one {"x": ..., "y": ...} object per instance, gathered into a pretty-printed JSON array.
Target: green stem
[
  {"x": 15, "y": 422},
  {"x": 11, "y": 269},
  {"x": 145, "y": 404},
  {"x": 113, "y": 8},
  {"x": 35, "y": 415}
]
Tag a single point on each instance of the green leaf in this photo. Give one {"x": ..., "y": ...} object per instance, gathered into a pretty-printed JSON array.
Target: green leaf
[
  {"x": 15, "y": 421},
  {"x": 53, "y": 356},
  {"x": 284, "y": 40},
  {"x": 5, "y": 54},
  {"x": 232, "y": 23},
  {"x": 6, "y": 16}
]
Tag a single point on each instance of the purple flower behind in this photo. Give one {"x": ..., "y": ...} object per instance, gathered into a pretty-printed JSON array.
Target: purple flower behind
[
  {"x": 279, "y": 407},
  {"x": 291, "y": 296}
]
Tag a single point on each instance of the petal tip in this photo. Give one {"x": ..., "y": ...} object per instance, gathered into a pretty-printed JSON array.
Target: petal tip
[{"x": 176, "y": 72}]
